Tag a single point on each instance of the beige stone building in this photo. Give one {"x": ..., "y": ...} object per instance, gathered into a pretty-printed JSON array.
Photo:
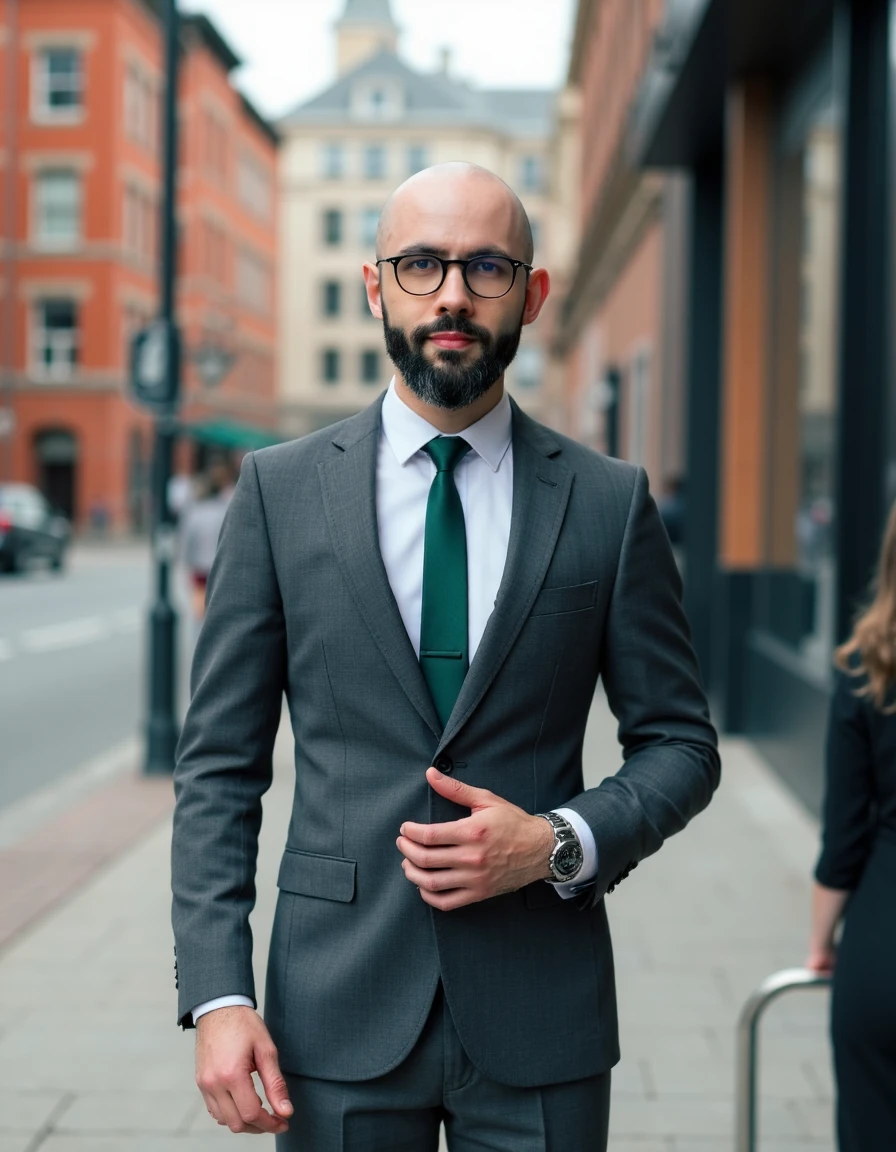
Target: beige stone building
[{"x": 342, "y": 154}]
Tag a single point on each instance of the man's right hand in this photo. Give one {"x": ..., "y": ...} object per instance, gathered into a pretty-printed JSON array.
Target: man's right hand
[{"x": 231, "y": 1044}]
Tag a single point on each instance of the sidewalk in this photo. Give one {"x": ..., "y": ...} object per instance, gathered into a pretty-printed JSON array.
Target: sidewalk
[{"x": 91, "y": 1060}]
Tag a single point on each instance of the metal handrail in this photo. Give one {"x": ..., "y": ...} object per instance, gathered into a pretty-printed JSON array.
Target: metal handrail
[{"x": 747, "y": 1045}]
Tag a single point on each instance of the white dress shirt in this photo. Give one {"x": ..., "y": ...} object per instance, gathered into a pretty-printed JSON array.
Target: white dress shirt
[{"x": 484, "y": 479}]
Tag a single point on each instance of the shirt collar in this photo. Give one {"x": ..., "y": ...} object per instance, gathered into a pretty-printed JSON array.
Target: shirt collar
[{"x": 406, "y": 432}]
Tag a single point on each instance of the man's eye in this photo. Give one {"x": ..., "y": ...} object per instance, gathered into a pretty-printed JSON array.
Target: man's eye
[
  {"x": 485, "y": 267},
  {"x": 423, "y": 264}
]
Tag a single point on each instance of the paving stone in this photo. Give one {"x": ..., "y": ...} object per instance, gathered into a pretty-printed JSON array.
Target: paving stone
[
  {"x": 128, "y": 1112},
  {"x": 26, "y": 1111}
]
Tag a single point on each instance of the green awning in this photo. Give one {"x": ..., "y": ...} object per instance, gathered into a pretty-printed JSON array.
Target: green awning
[{"x": 230, "y": 434}]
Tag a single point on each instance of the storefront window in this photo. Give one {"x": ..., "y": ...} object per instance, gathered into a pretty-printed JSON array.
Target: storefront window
[{"x": 803, "y": 404}]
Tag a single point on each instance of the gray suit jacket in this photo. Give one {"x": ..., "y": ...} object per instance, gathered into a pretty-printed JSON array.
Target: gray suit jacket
[{"x": 299, "y": 603}]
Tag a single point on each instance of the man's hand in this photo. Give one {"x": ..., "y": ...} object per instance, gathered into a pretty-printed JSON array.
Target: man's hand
[
  {"x": 497, "y": 848},
  {"x": 231, "y": 1044}
]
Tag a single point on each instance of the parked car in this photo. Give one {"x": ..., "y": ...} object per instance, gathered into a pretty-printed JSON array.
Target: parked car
[{"x": 30, "y": 529}]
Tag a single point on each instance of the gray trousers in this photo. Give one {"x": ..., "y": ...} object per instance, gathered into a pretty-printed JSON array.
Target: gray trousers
[{"x": 402, "y": 1111}]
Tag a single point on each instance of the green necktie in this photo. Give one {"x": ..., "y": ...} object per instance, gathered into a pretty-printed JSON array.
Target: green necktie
[{"x": 444, "y": 653}]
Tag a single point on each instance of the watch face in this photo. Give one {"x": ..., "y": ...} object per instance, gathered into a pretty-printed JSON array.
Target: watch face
[{"x": 568, "y": 860}]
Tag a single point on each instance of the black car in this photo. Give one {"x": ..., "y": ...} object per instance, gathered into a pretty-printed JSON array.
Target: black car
[{"x": 30, "y": 529}]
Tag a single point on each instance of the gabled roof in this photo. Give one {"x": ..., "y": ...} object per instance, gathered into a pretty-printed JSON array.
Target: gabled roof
[{"x": 429, "y": 98}]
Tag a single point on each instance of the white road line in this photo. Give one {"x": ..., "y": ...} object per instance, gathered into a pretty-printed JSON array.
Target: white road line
[
  {"x": 69, "y": 635},
  {"x": 6, "y": 650},
  {"x": 23, "y": 816}
]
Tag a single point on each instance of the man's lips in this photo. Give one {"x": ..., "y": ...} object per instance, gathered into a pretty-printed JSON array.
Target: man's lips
[{"x": 451, "y": 340}]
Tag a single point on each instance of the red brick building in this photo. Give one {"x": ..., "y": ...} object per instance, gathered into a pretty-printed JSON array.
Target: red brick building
[{"x": 80, "y": 147}]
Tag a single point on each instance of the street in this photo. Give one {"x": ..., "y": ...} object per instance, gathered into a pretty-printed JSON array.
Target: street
[{"x": 71, "y": 657}]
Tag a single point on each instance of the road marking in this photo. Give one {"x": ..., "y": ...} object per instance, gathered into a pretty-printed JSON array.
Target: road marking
[
  {"x": 6, "y": 650},
  {"x": 23, "y": 816},
  {"x": 54, "y": 637}
]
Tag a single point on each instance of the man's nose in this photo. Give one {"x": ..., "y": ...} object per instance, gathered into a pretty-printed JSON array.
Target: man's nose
[{"x": 454, "y": 295}]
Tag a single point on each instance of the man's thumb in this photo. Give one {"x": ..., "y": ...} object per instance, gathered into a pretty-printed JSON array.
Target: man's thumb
[{"x": 272, "y": 1080}]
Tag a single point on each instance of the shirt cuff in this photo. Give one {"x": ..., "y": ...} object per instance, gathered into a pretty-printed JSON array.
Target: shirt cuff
[
  {"x": 221, "y": 1002},
  {"x": 588, "y": 872}
]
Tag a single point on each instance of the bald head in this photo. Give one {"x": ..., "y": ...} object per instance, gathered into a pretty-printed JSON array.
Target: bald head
[{"x": 462, "y": 198}]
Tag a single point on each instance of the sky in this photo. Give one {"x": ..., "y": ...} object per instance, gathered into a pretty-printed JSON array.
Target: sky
[{"x": 289, "y": 53}]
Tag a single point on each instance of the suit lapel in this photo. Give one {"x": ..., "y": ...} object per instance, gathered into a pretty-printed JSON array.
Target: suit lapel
[
  {"x": 541, "y": 488},
  {"x": 348, "y": 484}
]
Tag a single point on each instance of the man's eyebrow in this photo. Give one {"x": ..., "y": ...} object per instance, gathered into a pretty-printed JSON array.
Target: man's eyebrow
[{"x": 444, "y": 253}]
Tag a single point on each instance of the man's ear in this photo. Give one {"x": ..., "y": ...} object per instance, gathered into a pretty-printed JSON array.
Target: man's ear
[
  {"x": 537, "y": 291},
  {"x": 371, "y": 274}
]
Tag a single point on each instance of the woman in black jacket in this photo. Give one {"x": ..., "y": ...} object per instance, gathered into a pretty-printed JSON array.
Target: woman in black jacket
[{"x": 856, "y": 872}]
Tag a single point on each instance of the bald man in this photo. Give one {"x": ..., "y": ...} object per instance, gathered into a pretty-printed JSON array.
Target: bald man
[{"x": 436, "y": 585}]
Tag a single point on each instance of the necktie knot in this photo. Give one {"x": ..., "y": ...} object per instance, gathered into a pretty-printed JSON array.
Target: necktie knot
[{"x": 447, "y": 452}]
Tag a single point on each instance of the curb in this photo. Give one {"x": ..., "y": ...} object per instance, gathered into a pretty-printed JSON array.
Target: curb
[{"x": 56, "y": 859}]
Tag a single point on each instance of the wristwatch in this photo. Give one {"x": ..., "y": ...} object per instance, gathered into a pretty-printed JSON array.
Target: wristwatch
[{"x": 567, "y": 858}]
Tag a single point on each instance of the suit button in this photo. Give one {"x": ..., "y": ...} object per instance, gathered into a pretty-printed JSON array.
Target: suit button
[{"x": 444, "y": 763}]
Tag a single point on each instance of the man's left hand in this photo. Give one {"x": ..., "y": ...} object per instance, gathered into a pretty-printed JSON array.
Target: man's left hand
[{"x": 497, "y": 848}]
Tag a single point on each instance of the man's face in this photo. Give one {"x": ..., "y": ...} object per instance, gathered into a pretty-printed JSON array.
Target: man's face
[{"x": 451, "y": 346}]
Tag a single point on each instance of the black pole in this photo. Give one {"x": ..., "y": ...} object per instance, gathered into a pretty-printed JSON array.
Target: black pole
[{"x": 162, "y": 726}]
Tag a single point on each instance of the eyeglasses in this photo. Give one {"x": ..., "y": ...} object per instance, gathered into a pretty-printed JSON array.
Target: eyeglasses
[{"x": 420, "y": 274}]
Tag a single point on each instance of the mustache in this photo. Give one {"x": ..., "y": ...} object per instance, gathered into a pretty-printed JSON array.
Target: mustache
[{"x": 447, "y": 323}]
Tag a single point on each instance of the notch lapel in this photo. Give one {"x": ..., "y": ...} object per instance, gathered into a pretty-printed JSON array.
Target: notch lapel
[
  {"x": 348, "y": 484},
  {"x": 541, "y": 488}
]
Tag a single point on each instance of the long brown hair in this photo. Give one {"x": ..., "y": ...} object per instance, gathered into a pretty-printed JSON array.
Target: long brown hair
[{"x": 873, "y": 637}]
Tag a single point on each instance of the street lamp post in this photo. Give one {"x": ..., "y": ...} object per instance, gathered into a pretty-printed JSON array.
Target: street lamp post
[{"x": 162, "y": 727}]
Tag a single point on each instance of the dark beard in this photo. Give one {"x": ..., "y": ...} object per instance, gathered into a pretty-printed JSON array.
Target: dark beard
[{"x": 448, "y": 383}]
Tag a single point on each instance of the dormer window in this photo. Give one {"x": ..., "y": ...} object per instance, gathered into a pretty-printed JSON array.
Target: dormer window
[{"x": 377, "y": 100}]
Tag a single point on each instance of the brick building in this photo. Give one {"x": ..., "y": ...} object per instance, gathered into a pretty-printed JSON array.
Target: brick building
[
  {"x": 730, "y": 315},
  {"x": 80, "y": 147}
]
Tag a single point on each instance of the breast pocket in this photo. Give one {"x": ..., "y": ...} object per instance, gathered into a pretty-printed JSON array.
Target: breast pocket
[
  {"x": 326, "y": 877},
  {"x": 560, "y": 601}
]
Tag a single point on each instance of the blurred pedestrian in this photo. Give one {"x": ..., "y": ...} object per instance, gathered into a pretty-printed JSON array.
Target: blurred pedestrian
[
  {"x": 182, "y": 490},
  {"x": 856, "y": 872},
  {"x": 436, "y": 584},
  {"x": 201, "y": 527}
]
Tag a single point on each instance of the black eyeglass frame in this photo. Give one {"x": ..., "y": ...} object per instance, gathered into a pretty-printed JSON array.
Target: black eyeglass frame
[{"x": 464, "y": 265}]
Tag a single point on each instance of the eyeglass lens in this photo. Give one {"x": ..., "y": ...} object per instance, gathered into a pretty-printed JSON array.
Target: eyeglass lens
[{"x": 487, "y": 276}]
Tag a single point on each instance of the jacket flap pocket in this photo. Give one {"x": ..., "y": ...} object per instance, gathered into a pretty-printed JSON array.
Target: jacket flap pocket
[
  {"x": 327, "y": 877},
  {"x": 576, "y": 598}
]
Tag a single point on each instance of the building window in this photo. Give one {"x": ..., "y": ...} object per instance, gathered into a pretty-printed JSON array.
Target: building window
[
  {"x": 417, "y": 159},
  {"x": 800, "y": 603},
  {"x": 333, "y": 227},
  {"x": 330, "y": 365},
  {"x": 214, "y": 256},
  {"x": 332, "y": 298},
  {"x": 370, "y": 366},
  {"x": 58, "y": 83},
  {"x": 364, "y": 303},
  {"x": 254, "y": 186},
  {"x": 140, "y": 108},
  {"x": 531, "y": 176},
  {"x": 370, "y": 219},
  {"x": 57, "y": 208},
  {"x": 253, "y": 281},
  {"x": 374, "y": 162},
  {"x": 332, "y": 161},
  {"x": 215, "y": 135},
  {"x": 55, "y": 339},
  {"x": 528, "y": 366}
]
